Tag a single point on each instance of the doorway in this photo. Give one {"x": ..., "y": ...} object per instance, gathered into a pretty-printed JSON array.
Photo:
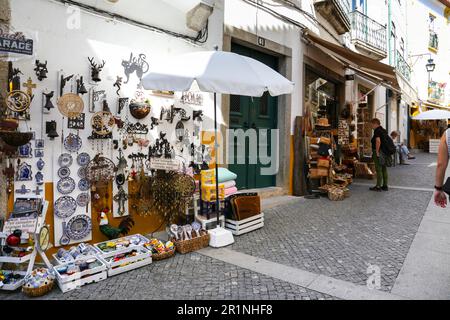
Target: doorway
[{"x": 260, "y": 114}]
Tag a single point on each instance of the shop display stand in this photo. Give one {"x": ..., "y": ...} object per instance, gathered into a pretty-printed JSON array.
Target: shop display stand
[
  {"x": 322, "y": 133},
  {"x": 246, "y": 225},
  {"x": 204, "y": 216},
  {"x": 29, "y": 258},
  {"x": 143, "y": 258}
]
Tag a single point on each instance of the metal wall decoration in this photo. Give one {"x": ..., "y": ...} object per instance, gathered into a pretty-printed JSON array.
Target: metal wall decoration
[
  {"x": 197, "y": 115},
  {"x": 181, "y": 112},
  {"x": 96, "y": 69},
  {"x": 122, "y": 104},
  {"x": 168, "y": 112},
  {"x": 41, "y": 70},
  {"x": 62, "y": 83},
  {"x": 135, "y": 64},
  {"x": 137, "y": 128},
  {"x": 70, "y": 105},
  {"x": 81, "y": 89},
  {"x": 30, "y": 86},
  {"x": 50, "y": 129},
  {"x": 94, "y": 97},
  {"x": 139, "y": 110},
  {"x": 121, "y": 198},
  {"x": 100, "y": 169},
  {"x": 18, "y": 101},
  {"x": 161, "y": 148},
  {"x": 155, "y": 122},
  {"x": 77, "y": 122},
  {"x": 102, "y": 124},
  {"x": 179, "y": 131},
  {"x": 192, "y": 98},
  {"x": 48, "y": 104},
  {"x": 25, "y": 151},
  {"x": 118, "y": 84},
  {"x": 14, "y": 78},
  {"x": 24, "y": 172}
]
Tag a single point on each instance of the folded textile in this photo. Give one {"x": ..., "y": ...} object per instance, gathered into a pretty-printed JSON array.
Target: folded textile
[
  {"x": 226, "y": 175},
  {"x": 230, "y": 191},
  {"x": 229, "y": 184}
]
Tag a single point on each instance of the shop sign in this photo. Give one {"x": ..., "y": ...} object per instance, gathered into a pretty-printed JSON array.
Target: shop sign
[
  {"x": 164, "y": 164},
  {"x": 27, "y": 225},
  {"x": 15, "y": 43},
  {"x": 436, "y": 91}
]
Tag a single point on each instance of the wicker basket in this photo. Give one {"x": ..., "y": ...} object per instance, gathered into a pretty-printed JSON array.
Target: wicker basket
[
  {"x": 14, "y": 138},
  {"x": 197, "y": 243},
  {"x": 164, "y": 255},
  {"x": 38, "y": 292}
]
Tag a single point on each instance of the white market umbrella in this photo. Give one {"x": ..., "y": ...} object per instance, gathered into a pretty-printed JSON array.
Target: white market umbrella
[
  {"x": 217, "y": 72},
  {"x": 435, "y": 114}
]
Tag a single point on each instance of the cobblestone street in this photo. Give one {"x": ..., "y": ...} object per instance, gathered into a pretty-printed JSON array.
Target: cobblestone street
[{"x": 335, "y": 239}]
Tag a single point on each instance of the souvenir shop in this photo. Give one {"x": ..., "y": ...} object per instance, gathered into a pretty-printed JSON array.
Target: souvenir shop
[
  {"x": 96, "y": 164},
  {"x": 327, "y": 132}
]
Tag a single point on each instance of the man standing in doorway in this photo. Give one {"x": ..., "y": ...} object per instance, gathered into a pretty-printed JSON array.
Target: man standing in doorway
[{"x": 379, "y": 136}]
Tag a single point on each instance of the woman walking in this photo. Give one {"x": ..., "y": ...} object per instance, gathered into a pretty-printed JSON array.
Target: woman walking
[{"x": 440, "y": 199}]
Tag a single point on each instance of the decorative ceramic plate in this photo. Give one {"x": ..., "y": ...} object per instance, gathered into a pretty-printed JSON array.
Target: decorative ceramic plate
[
  {"x": 83, "y": 159},
  {"x": 65, "y": 207},
  {"x": 82, "y": 172},
  {"x": 84, "y": 185},
  {"x": 63, "y": 172},
  {"x": 65, "y": 160},
  {"x": 79, "y": 227},
  {"x": 66, "y": 185},
  {"x": 72, "y": 143},
  {"x": 83, "y": 199}
]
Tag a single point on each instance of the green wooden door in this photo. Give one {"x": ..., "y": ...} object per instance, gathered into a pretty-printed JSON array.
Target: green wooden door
[{"x": 260, "y": 114}]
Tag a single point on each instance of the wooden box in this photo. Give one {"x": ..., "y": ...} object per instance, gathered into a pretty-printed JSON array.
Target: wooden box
[
  {"x": 246, "y": 225},
  {"x": 143, "y": 258}
]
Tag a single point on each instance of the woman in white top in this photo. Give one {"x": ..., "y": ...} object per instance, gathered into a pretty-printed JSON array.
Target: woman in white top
[{"x": 443, "y": 156}]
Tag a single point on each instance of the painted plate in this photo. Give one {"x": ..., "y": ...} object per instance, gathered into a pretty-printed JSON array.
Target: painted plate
[
  {"x": 83, "y": 199},
  {"x": 66, "y": 185},
  {"x": 63, "y": 172},
  {"x": 72, "y": 143},
  {"x": 65, "y": 160},
  {"x": 84, "y": 185},
  {"x": 82, "y": 172},
  {"x": 79, "y": 227},
  {"x": 65, "y": 207},
  {"x": 83, "y": 159}
]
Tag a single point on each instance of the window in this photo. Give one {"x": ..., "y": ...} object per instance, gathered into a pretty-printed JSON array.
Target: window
[{"x": 402, "y": 46}]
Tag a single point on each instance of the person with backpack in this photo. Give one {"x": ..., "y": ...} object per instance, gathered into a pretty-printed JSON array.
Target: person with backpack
[{"x": 382, "y": 150}]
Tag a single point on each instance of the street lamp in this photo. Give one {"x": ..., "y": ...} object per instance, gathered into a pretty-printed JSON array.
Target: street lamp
[{"x": 430, "y": 65}]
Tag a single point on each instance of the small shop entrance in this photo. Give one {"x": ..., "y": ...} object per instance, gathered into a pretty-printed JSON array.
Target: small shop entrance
[{"x": 259, "y": 113}]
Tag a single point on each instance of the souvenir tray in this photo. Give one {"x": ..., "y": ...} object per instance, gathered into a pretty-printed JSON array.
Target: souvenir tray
[
  {"x": 65, "y": 207},
  {"x": 64, "y": 172},
  {"x": 83, "y": 159},
  {"x": 126, "y": 259},
  {"x": 79, "y": 227},
  {"x": 65, "y": 160},
  {"x": 83, "y": 199},
  {"x": 84, "y": 185},
  {"x": 121, "y": 243},
  {"x": 68, "y": 282},
  {"x": 16, "y": 284},
  {"x": 66, "y": 185},
  {"x": 72, "y": 143}
]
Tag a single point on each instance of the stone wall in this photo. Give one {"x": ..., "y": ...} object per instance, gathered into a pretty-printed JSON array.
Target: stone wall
[{"x": 5, "y": 15}]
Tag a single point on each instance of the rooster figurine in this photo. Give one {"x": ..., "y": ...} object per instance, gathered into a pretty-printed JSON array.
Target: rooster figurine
[{"x": 112, "y": 232}]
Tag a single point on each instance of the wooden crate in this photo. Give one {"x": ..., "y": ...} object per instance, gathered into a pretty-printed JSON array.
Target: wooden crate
[
  {"x": 79, "y": 279},
  {"x": 246, "y": 225},
  {"x": 117, "y": 267},
  {"x": 17, "y": 285}
]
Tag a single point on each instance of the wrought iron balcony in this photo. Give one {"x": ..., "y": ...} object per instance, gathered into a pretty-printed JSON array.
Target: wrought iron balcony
[
  {"x": 368, "y": 35},
  {"x": 336, "y": 13},
  {"x": 402, "y": 66}
]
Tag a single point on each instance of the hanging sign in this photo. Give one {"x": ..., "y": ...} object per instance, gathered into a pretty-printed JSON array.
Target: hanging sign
[
  {"x": 27, "y": 225},
  {"x": 164, "y": 164},
  {"x": 15, "y": 43}
]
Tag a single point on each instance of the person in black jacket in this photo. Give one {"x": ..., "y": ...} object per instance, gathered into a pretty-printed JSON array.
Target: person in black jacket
[{"x": 379, "y": 135}]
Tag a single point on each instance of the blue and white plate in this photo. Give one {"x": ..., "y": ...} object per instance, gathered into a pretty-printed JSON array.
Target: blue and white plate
[
  {"x": 83, "y": 159},
  {"x": 65, "y": 207},
  {"x": 65, "y": 160},
  {"x": 63, "y": 172},
  {"x": 72, "y": 143},
  {"x": 84, "y": 185},
  {"x": 82, "y": 172},
  {"x": 66, "y": 185},
  {"x": 83, "y": 199},
  {"x": 79, "y": 227}
]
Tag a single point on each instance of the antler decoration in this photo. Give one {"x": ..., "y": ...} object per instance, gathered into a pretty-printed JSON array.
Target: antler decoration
[{"x": 96, "y": 69}]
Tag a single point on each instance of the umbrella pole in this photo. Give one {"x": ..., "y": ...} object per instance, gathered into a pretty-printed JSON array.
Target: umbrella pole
[{"x": 216, "y": 148}]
